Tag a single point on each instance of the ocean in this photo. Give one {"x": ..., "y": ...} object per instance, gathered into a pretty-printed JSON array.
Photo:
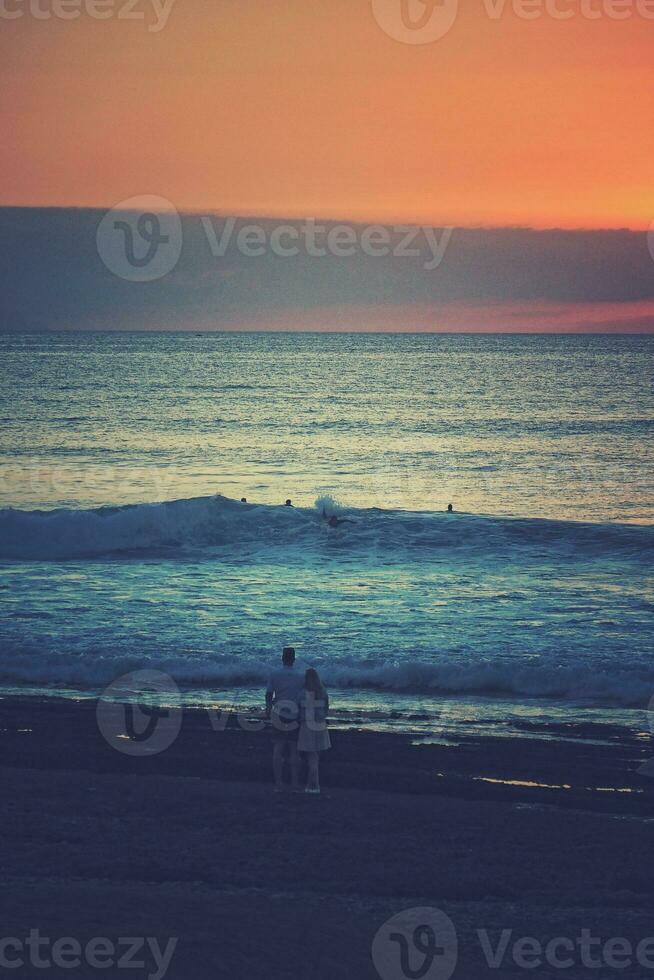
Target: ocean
[{"x": 124, "y": 544}]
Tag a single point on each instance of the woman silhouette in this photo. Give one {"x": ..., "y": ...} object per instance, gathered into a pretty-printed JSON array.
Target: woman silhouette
[{"x": 313, "y": 737}]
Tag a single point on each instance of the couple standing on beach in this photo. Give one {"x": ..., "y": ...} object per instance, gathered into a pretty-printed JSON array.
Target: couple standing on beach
[{"x": 297, "y": 705}]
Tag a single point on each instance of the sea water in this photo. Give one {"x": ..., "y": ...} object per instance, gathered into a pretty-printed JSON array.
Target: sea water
[{"x": 124, "y": 544}]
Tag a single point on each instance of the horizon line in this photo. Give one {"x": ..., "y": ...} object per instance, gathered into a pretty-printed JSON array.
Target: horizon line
[
  {"x": 252, "y": 214},
  {"x": 193, "y": 331}
]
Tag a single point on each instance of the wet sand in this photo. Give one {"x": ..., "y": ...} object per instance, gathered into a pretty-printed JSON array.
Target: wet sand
[{"x": 192, "y": 843}]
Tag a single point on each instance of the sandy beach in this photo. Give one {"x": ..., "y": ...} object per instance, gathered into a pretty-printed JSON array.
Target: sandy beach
[{"x": 192, "y": 844}]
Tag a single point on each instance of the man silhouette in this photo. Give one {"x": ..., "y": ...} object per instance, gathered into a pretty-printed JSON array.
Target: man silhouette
[{"x": 283, "y": 695}]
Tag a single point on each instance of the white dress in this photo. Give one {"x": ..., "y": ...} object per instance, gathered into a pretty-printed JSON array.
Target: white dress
[{"x": 314, "y": 736}]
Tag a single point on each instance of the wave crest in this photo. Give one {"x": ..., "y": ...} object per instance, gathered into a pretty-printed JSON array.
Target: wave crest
[
  {"x": 578, "y": 681},
  {"x": 221, "y": 525}
]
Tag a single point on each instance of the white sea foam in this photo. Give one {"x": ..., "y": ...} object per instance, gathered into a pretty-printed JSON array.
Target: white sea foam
[{"x": 577, "y": 681}]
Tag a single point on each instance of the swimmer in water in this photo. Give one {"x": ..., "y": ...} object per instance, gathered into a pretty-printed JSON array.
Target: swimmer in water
[
  {"x": 450, "y": 509},
  {"x": 288, "y": 503},
  {"x": 337, "y": 521},
  {"x": 334, "y": 521}
]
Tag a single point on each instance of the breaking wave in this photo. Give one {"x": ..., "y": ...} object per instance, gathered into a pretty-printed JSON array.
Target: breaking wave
[
  {"x": 219, "y": 525},
  {"x": 575, "y": 681}
]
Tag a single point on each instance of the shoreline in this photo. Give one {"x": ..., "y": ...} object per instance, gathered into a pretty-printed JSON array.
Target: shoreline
[
  {"x": 382, "y": 709},
  {"x": 591, "y": 766}
]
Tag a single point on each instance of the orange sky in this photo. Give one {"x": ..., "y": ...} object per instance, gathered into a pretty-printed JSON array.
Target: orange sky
[{"x": 306, "y": 107}]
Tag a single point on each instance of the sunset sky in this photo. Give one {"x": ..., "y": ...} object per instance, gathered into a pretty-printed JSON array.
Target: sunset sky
[
  {"x": 308, "y": 107},
  {"x": 303, "y": 108}
]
